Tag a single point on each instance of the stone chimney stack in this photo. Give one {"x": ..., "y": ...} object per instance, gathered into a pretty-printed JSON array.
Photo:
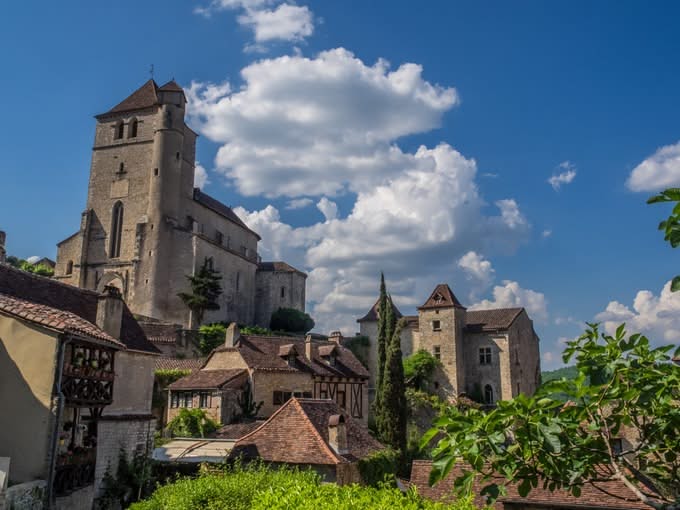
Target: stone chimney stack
[
  {"x": 308, "y": 347},
  {"x": 3, "y": 254},
  {"x": 337, "y": 434},
  {"x": 110, "y": 311},
  {"x": 232, "y": 335},
  {"x": 335, "y": 336}
]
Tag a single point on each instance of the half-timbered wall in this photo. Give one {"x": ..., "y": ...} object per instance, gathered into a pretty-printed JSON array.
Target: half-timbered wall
[{"x": 347, "y": 393}]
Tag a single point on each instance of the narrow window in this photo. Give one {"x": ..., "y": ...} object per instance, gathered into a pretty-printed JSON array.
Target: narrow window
[
  {"x": 174, "y": 399},
  {"x": 120, "y": 128},
  {"x": 204, "y": 400},
  {"x": 283, "y": 292},
  {"x": 69, "y": 267},
  {"x": 436, "y": 325},
  {"x": 188, "y": 399},
  {"x": 485, "y": 356},
  {"x": 121, "y": 168},
  {"x": 437, "y": 352},
  {"x": 219, "y": 237},
  {"x": 238, "y": 281},
  {"x": 177, "y": 156},
  {"x": 116, "y": 230},
  {"x": 342, "y": 399},
  {"x": 132, "y": 129},
  {"x": 488, "y": 394},
  {"x": 277, "y": 398}
]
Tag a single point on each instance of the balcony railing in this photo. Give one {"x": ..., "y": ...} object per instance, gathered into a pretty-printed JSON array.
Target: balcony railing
[{"x": 74, "y": 471}]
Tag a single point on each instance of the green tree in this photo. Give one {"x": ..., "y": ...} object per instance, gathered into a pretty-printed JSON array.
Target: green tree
[
  {"x": 539, "y": 439},
  {"x": 249, "y": 408},
  {"x": 393, "y": 413},
  {"x": 211, "y": 336},
  {"x": 191, "y": 423},
  {"x": 291, "y": 320},
  {"x": 381, "y": 337},
  {"x": 205, "y": 289},
  {"x": 671, "y": 225},
  {"x": 419, "y": 368}
]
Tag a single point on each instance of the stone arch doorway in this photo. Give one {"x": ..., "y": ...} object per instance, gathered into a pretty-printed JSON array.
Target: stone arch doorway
[{"x": 113, "y": 279}]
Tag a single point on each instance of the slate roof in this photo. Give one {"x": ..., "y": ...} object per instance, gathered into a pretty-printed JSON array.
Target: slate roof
[
  {"x": 591, "y": 497},
  {"x": 211, "y": 380},
  {"x": 48, "y": 301},
  {"x": 160, "y": 332},
  {"x": 279, "y": 267},
  {"x": 145, "y": 96},
  {"x": 495, "y": 319},
  {"x": 264, "y": 353},
  {"x": 372, "y": 315},
  {"x": 165, "y": 363},
  {"x": 235, "y": 430},
  {"x": 297, "y": 433},
  {"x": 442, "y": 297},
  {"x": 221, "y": 209},
  {"x": 171, "y": 86}
]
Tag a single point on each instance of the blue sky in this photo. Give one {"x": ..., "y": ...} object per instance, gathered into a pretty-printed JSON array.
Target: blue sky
[{"x": 517, "y": 93}]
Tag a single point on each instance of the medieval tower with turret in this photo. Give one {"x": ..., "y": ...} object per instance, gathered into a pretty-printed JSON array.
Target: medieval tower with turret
[{"x": 146, "y": 227}]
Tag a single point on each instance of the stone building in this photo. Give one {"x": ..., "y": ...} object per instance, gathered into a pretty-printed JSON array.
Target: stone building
[
  {"x": 145, "y": 227},
  {"x": 280, "y": 368},
  {"x": 489, "y": 355},
  {"x": 3, "y": 253},
  {"x": 76, "y": 374}
]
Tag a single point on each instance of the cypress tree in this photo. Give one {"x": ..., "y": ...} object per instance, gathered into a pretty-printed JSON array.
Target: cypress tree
[
  {"x": 390, "y": 324},
  {"x": 382, "y": 338},
  {"x": 391, "y": 421}
]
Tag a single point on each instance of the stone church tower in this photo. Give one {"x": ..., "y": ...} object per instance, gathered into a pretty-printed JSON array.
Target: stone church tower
[{"x": 146, "y": 227}]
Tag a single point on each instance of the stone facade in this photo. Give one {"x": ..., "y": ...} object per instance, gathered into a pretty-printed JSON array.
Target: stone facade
[
  {"x": 3, "y": 253},
  {"x": 489, "y": 355},
  {"x": 146, "y": 227}
]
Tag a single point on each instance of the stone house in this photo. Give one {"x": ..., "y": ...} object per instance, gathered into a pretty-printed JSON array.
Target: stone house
[
  {"x": 145, "y": 227},
  {"x": 280, "y": 368},
  {"x": 76, "y": 375},
  {"x": 311, "y": 433},
  {"x": 610, "y": 495},
  {"x": 489, "y": 355},
  {"x": 217, "y": 392}
]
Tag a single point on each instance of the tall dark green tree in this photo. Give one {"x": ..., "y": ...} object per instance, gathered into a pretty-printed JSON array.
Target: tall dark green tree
[
  {"x": 205, "y": 289},
  {"x": 391, "y": 421},
  {"x": 381, "y": 339},
  {"x": 390, "y": 323}
]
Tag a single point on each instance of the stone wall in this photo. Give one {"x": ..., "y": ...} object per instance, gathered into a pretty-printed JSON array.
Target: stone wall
[
  {"x": 223, "y": 409},
  {"x": 133, "y": 384},
  {"x": 265, "y": 383},
  {"x": 496, "y": 374},
  {"x": 525, "y": 357},
  {"x": 277, "y": 289}
]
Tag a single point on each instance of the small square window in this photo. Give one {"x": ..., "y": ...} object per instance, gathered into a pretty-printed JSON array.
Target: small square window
[
  {"x": 437, "y": 352},
  {"x": 436, "y": 325},
  {"x": 287, "y": 395},
  {"x": 485, "y": 356}
]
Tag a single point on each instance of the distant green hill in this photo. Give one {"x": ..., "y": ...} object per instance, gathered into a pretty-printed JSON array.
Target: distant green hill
[{"x": 566, "y": 372}]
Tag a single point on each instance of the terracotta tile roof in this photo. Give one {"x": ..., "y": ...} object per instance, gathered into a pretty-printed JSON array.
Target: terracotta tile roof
[
  {"x": 144, "y": 97},
  {"x": 297, "y": 433},
  {"x": 163, "y": 363},
  {"x": 160, "y": 332},
  {"x": 279, "y": 267},
  {"x": 221, "y": 209},
  {"x": 236, "y": 430},
  {"x": 490, "y": 320},
  {"x": 591, "y": 496},
  {"x": 211, "y": 380},
  {"x": 442, "y": 297},
  {"x": 372, "y": 315},
  {"x": 81, "y": 303},
  {"x": 264, "y": 353}
]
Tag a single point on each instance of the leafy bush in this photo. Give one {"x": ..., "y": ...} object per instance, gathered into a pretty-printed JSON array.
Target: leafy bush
[
  {"x": 211, "y": 336},
  {"x": 379, "y": 467},
  {"x": 191, "y": 423},
  {"x": 419, "y": 368},
  {"x": 259, "y": 488},
  {"x": 24, "y": 265},
  {"x": 162, "y": 379},
  {"x": 256, "y": 330},
  {"x": 290, "y": 319},
  {"x": 359, "y": 345}
]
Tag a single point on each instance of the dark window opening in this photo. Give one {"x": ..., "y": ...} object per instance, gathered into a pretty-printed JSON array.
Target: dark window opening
[
  {"x": 437, "y": 352},
  {"x": 174, "y": 399},
  {"x": 306, "y": 394},
  {"x": 488, "y": 394},
  {"x": 342, "y": 399},
  {"x": 116, "y": 230},
  {"x": 436, "y": 325},
  {"x": 177, "y": 156},
  {"x": 132, "y": 129},
  {"x": 204, "y": 400},
  {"x": 238, "y": 281},
  {"x": 120, "y": 129},
  {"x": 121, "y": 168},
  {"x": 69, "y": 267},
  {"x": 283, "y": 292},
  {"x": 485, "y": 356},
  {"x": 155, "y": 171},
  {"x": 219, "y": 237},
  {"x": 188, "y": 399}
]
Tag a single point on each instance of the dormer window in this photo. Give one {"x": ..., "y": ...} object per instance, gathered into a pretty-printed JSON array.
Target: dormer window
[
  {"x": 438, "y": 298},
  {"x": 329, "y": 354},
  {"x": 288, "y": 353}
]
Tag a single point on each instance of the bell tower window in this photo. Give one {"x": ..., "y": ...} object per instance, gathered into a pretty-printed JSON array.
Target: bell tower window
[
  {"x": 116, "y": 233},
  {"x": 132, "y": 129},
  {"x": 120, "y": 129}
]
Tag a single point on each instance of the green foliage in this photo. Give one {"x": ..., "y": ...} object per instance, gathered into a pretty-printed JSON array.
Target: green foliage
[
  {"x": 419, "y": 369},
  {"x": 162, "y": 379},
  {"x": 392, "y": 412},
  {"x": 191, "y": 423},
  {"x": 379, "y": 467},
  {"x": 671, "y": 225},
  {"x": 561, "y": 373},
  {"x": 539, "y": 439},
  {"x": 359, "y": 345},
  {"x": 256, "y": 330},
  {"x": 24, "y": 265},
  {"x": 211, "y": 336},
  {"x": 205, "y": 289},
  {"x": 258, "y": 488},
  {"x": 381, "y": 339},
  {"x": 291, "y": 320},
  {"x": 131, "y": 482},
  {"x": 249, "y": 408}
]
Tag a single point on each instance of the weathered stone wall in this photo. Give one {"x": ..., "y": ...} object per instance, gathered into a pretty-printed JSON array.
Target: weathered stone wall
[
  {"x": 266, "y": 382},
  {"x": 225, "y": 359},
  {"x": 224, "y": 407},
  {"x": 277, "y": 289},
  {"x": 496, "y": 374},
  {"x": 525, "y": 358},
  {"x": 133, "y": 384}
]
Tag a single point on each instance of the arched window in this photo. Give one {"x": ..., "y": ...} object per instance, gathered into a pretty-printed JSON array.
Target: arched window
[
  {"x": 116, "y": 230},
  {"x": 132, "y": 128},
  {"x": 120, "y": 129},
  {"x": 488, "y": 394},
  {"x": 69, "y": 267}
]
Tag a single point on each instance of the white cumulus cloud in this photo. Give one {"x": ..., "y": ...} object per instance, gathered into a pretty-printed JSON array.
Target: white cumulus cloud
[
  {"x": 299, "y": 203},
  {"x": 328, "y": 208},
  {"x": 200, "y": 176},
  {"x": 660, "y": 170},
  {"x": 511, "y": 295},
  {"x": 476, "y": 266},
  {"x": 656, "y": 316},
  {"x": 567, "y": 175}
]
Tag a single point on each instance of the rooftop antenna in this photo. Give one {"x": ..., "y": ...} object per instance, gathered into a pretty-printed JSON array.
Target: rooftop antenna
[{"x": 151, "y": 71}]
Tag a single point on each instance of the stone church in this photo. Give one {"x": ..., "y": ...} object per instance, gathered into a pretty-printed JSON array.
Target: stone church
[
  {"x": 488, "y": 355},
  {"x": 146, "y": 227}
]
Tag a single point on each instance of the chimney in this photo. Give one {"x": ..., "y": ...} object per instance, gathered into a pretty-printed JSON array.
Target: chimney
[
  {"x": 232, "y": 335},
  {"x": 110, "y": 311},
  {"x": 337, "y": 434},
  {"x": 335, "y": 336},
  {"x": 2, "y": 247},
  {"x": 308, "y": 347}
]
